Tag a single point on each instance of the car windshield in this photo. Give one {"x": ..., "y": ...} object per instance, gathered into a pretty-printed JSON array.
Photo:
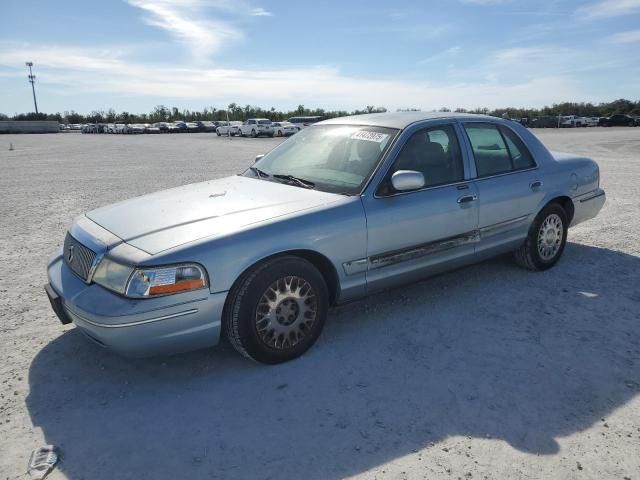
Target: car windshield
[
  {"x": 334, "y": 158},
  {"x": 264, "y": 122}
]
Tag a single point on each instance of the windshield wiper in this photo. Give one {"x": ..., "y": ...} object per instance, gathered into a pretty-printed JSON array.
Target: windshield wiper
[
  {"x": 301, "y": 182},
  {"x": 259, "y": 172}
]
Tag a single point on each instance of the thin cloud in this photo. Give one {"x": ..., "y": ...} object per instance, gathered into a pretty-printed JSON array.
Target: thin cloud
[
  {"x": 484, "y": 2},
  {"x": 608, "y": 8},
  {"x": 632, "y": 36},
  {"x": 260, "y": 12},
  {"x": 77, "y": 72},
  {"x": 444, "y": 55},
  {"x": 191, "y": 22}
]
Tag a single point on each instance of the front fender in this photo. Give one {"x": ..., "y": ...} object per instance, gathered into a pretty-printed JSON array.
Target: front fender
[{"x": 337, "y": 232}]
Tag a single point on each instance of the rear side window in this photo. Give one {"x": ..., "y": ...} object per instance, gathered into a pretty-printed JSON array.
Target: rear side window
[{"x": 497, "y": 150}]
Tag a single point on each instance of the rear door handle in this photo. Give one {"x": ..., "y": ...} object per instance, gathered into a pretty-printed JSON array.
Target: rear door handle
[
  {"x": 467, "y": 199},
  {"x": 536, "y": 184}
]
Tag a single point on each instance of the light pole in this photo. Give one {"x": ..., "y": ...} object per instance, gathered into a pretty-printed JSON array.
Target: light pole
[{"x": 32, "y": 81}]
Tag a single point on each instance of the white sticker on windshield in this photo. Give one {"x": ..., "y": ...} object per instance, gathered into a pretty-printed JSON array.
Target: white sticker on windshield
[{"x": 370, "y": 136}]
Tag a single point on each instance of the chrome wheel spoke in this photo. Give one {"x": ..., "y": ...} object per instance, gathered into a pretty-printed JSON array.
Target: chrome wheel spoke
[
  {"x": 550, "y": 237},
  {"x": 286, "y": 312}
]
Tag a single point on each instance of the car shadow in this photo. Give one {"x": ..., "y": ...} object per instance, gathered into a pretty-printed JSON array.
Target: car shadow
[{"x": 486, "y": 351}]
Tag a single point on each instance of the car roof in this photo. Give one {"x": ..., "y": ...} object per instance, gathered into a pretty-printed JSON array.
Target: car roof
[{"x": 399, "y": 120}]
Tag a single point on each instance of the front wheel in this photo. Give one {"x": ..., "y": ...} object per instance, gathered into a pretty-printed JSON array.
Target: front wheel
[
  {"x": 253, "y": 134},
  {"x": 546, "y": 239},
  {"x": 277, "y": 310}
]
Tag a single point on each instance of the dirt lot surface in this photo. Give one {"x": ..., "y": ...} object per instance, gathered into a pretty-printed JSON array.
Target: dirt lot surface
[{"x": 489, "y": 372}]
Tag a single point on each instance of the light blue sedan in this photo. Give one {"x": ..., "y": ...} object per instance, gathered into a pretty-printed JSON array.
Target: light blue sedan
[{"x": 345, "y": 208}]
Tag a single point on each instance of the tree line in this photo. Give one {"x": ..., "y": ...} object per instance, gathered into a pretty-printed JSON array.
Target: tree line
[{"x": 162, "y": 113}]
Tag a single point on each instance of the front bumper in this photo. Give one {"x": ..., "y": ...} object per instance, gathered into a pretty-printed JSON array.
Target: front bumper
[{"x": 155, "y": 326}]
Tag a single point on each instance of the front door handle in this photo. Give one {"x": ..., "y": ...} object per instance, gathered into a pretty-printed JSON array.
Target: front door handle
[
  {"x": 535, "y": 185},
  {"x": 467, "y": 199}
]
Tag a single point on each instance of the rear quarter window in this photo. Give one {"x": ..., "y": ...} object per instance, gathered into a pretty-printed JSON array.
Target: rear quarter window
[{"x": 520, "y": 155}]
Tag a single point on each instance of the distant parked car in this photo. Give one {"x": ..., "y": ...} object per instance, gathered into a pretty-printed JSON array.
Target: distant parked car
[
  {"x": 304, "y": 122},
  {"x": 228, "y": 128},
  {"x": 256, "y": 127},
  {"x": 135, "y": 128},
  {"x": 619, "y": 120},
  {"x": 163, "y": 127},
  {"x": 192, "y": 127},
  {"x": 181, "y": 127},
  {"x": 546, "y": 121},
  {"x": 151, "y": 128},
  {"x": 284, "y": 129},
  {"x": 591, "y": 121},
  {"x": 89, "y": 128},
  {"x": 206, "y": 126},
  {"x": 637, "y": 121}
]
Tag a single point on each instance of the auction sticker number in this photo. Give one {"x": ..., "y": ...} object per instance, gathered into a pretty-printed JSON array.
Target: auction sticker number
[{"x": 370, "y": 136}]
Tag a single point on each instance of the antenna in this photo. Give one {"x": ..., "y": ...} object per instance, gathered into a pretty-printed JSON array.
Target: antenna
[{"x": 32, "y": 81}]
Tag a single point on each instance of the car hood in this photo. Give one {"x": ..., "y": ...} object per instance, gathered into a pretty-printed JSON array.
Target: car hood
[{"x": 170, "y": 218}]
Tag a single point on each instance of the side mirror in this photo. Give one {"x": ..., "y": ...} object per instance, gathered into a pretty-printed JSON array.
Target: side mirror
[
  {"x": 404, "y": 180},
  {"x": 259, "y": 157}
]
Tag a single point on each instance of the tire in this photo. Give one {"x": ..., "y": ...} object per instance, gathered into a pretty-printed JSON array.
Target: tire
[
  {"x": 295, "y": 287},
  {"x": 279, "y": 133},
  {"x": 533, "y": 256},
  {"x": 218, "y": 133},
  {"x": 253, "y": 134}
]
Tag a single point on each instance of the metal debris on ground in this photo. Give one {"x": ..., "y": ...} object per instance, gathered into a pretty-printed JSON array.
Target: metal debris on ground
[{"x": 42, "y": 461}]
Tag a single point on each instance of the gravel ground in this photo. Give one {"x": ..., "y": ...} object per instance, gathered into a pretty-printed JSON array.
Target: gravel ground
[{"x": 486, "y": 372}]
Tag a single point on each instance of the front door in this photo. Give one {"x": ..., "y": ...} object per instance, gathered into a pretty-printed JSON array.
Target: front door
[{"x": 415, "y": 233}]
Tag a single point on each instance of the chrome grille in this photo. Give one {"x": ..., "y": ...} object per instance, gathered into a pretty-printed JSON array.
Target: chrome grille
[{"x": 78, "y": 257}]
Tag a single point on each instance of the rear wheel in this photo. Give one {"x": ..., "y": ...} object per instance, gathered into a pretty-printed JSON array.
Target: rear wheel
[
  {"x": 277, "y": 310},
  {"x": 546, "y": 239}
]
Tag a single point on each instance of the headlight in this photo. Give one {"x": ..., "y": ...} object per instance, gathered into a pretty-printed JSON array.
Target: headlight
[
  {"x": 112, "y": 275},
  {"x": 152, "y": 282}
]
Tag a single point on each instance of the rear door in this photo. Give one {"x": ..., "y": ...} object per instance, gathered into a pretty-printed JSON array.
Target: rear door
[
  {"x": 413, "y": 233},
  {"x": 510, "y": 184}
]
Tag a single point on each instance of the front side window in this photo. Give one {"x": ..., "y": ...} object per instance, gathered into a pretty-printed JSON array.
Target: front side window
[
  {"x": 497, "y": 149},
  {"x": 435, "y": 153},
  {"x": 335, "y": 158}
]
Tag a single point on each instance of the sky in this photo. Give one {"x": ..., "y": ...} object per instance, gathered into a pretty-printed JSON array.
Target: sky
[{"x": 132, "y": 55}]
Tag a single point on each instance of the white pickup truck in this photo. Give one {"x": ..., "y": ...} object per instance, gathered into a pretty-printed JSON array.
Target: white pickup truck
[
  {"x": 255, "y": 127},
  {"x": 571, "y": 121}
]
